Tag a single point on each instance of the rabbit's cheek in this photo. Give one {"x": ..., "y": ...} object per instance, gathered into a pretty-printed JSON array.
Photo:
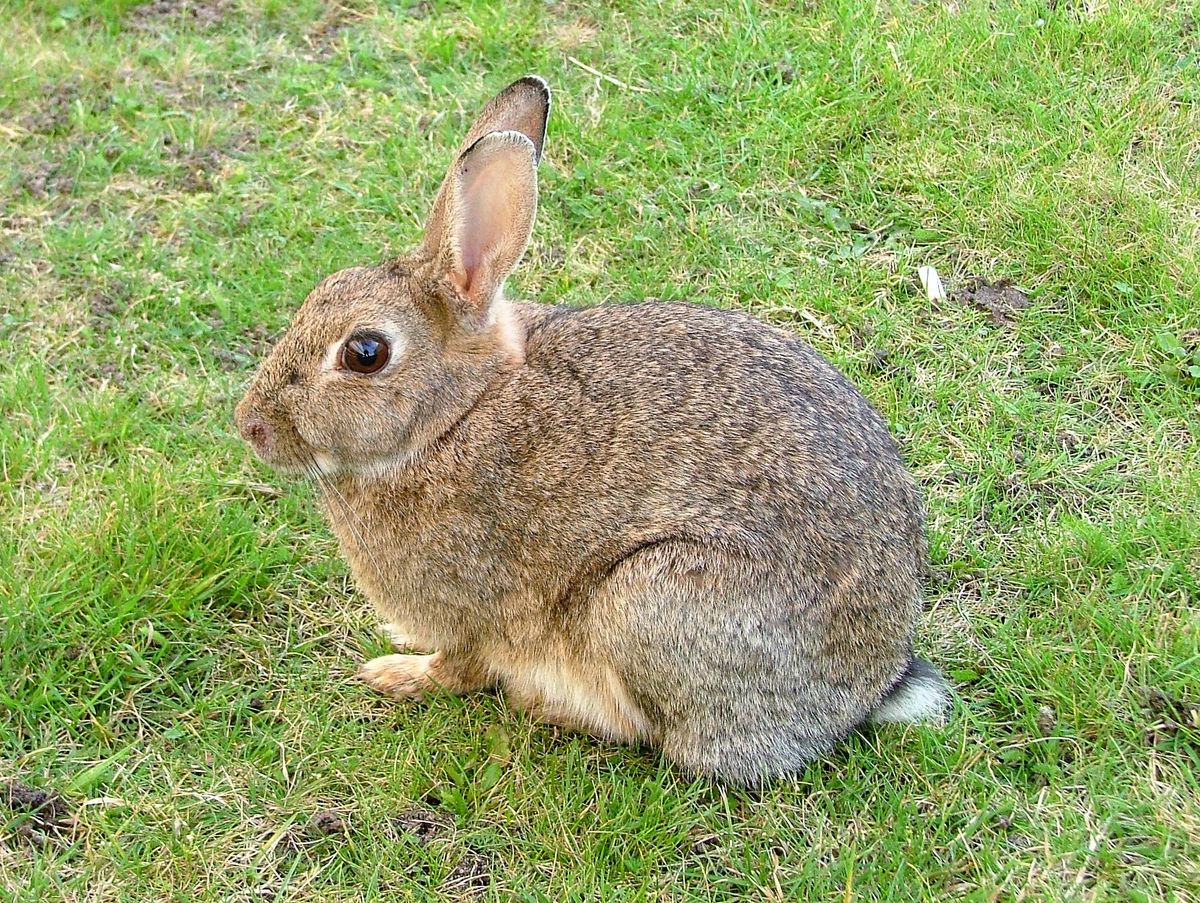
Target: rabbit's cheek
[{"x": 312, "y": 437}]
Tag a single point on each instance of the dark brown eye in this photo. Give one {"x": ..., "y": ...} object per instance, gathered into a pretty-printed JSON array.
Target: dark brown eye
[{"x": 365, "y": 353}]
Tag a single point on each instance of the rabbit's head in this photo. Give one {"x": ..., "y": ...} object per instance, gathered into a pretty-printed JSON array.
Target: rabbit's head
[{"x": 380, "y": 360}]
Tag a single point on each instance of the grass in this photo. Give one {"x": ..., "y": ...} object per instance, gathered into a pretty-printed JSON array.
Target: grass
[{"x": 178, "y": 634}]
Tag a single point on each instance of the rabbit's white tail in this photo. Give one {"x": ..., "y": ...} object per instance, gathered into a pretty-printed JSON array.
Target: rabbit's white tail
[{"x": 921, "y": 695}]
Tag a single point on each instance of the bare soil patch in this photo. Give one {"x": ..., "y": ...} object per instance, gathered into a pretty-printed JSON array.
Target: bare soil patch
[
  {"x": 1001, "y": 299},
  {"x": 54, "y": 112},
  {"x": 36, "y": 813},
  {"x": 45, "y": 180},
  {"x": 197, "y": 13},
  {"x": 327, "y": 823},
  {"x": 1169, "y": 716},
  {"x": 471, "y": 877},
  {"x": 424, "y": 825}
]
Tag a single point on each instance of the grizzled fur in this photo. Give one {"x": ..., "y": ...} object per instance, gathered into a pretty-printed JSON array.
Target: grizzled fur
[{"x": 659, "y": 523}]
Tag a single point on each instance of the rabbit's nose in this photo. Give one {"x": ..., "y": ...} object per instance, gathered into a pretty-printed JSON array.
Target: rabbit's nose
[{"x": 255, "y": 431}]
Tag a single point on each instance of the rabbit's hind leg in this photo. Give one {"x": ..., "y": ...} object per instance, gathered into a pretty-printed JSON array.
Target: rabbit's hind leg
[
  {"x": 741, "y": 751},
  {"x": 713, "y": 647}
]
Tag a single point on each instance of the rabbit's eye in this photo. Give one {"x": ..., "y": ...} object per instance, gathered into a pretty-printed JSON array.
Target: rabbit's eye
[{"x": 365, "y": 353}]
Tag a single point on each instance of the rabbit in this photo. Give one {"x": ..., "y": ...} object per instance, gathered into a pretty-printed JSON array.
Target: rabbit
[{"x": 658, "y": 523}]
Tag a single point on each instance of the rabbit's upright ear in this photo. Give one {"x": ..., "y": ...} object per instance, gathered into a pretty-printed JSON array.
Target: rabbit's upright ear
[
  {"x": 524, "y": 107},
  {"x": 490, "y": 199}
]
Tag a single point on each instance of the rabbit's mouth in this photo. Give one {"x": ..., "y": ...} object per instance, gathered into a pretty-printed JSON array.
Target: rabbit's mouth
[
  {"x": 321, "y": 466},
  {"x": 290, "y": 468},
  {"x": 286, "y": 464}
]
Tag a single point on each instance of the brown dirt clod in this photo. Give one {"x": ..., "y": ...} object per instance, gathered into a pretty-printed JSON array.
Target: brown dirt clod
[
  {"x": 326, "y": 823},
  {"x": 703, "y": 842},
  {"x": 880, "y": 360},
  {"x": 423, "y": 824},
  {"x": 1169, "y": 714},
  {"x": 44, "y": 179},
  {"x": 54, "y": 112},
  {"x": 107, "y": 302},
  {"x": 471, "y": 877},
  {"x": 47, "y": 809},
  {"x": 1068, "y": 442},
  {"x": 327, "y": 32},
  {"x": 200, "y": 167},
  {"x": 1001, "y": 299},
  {"x": 229, "y": 361}
]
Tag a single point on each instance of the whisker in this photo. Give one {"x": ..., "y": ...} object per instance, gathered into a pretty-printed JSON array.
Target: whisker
[{"x": 353, "y": 521}]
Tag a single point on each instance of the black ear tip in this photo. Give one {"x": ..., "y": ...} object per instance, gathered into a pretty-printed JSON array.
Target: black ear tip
[
  {"x": 537, "y": 83},
  {"x": 536, "y": 86}
]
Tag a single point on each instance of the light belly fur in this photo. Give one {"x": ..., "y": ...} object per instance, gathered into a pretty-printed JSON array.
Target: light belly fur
[{"x": 589, "y": 698}]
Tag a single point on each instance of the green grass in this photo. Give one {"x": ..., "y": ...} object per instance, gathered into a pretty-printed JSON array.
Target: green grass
[{"x": 177, "y": 641}]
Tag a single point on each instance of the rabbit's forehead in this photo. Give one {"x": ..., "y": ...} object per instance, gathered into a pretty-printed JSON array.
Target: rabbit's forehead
[
  {"x": 318, "y": 326},
  {"x": 357, "y": 298},
  {"x": 351, "y": 282},
  {"x": 350, "y": 290}
]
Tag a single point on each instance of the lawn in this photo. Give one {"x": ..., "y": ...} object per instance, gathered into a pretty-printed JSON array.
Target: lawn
[{"x": 178, "y": 635}]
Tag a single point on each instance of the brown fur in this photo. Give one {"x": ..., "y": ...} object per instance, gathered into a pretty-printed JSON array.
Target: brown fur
[{"x": 657, "y": 522}]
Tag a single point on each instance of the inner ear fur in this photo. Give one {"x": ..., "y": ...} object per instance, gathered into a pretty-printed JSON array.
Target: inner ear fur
[{"x": 491, "y": 203}]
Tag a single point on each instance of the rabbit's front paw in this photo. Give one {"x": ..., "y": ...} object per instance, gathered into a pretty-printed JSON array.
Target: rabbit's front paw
[{"x": 400, "y": 676}]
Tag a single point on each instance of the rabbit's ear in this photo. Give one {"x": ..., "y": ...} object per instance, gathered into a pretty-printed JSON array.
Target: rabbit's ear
[
  {"x": 490, "y": 201},
  {"x": 524, "y": 107}
]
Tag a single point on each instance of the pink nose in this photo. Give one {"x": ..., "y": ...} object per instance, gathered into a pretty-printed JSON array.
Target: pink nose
[{"x": 256, "y": 432}]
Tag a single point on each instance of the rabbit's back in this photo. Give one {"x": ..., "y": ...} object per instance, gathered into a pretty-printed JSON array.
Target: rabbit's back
[{"x": 662, "y": 417}]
